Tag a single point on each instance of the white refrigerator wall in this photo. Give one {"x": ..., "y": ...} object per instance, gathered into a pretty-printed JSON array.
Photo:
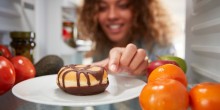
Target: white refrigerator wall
[
  {"x": 203, "y": 40},
  {"x": 14, "y": 16}
]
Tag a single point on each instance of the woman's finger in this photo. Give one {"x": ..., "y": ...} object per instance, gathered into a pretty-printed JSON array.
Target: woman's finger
[
  {"x": 137, "y": 59},
  {"x": 128, "y": 55},
  {"x": 114, "y": 59},
  {"x": 142, "y": 68}
]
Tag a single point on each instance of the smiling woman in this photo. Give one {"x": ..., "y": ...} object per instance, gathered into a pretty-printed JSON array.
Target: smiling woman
[
  {"x": 124, "y": 32},
  {"x": 110, "y": 23}
]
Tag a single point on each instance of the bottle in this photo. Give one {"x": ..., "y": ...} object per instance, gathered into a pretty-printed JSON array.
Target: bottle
[{"x": 23, "y": 44}]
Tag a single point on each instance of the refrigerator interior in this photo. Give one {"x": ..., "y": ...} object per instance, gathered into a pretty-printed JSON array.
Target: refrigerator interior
[
  {"x": 202, "y": 34},
  {"x": 202, "y": 40}
]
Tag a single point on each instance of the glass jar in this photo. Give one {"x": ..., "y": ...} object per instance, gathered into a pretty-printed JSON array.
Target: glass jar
[
  {"x": 68, "y": 33},
  {"x": 23, "y": 44}
]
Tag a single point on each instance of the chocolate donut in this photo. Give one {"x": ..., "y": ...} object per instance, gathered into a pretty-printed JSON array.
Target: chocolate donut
[{"x": 82, "y": 79}]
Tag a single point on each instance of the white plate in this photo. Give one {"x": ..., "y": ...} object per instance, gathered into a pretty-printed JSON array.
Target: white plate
[{"x": 44, "y": 90}]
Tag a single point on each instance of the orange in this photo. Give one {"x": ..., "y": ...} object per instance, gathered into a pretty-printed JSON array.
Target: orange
[
  {"x": 164, "y": 94},
  {"x": 205, "y": 96},
  {"x": 168, "y": 71}
]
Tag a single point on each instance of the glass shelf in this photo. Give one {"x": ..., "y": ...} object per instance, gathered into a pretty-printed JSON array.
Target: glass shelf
[{"x": 8, "y": 12}]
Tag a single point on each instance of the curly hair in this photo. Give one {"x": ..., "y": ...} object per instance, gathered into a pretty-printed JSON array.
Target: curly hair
[{"x": 150, "y": 21}]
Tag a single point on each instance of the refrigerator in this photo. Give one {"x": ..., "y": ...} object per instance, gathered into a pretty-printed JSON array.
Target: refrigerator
[{"x": 202, "y": 37}]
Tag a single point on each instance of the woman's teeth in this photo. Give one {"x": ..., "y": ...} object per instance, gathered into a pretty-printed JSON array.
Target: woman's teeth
[{"x": 114, "y": 26}]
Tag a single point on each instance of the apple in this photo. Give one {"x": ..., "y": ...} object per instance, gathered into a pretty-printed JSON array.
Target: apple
[
  {"x": 154, "y": 64},
  {"x": 181, "y": 62}
]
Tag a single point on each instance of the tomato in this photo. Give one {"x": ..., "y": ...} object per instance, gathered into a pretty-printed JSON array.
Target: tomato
[
  {"x": 7, "y": 75},
  {"x": 23, "y": 67},
  {"x": 164, "y": 94},
  {"x": 205, "y": 96},
  {"x": 4, "y": 51}
]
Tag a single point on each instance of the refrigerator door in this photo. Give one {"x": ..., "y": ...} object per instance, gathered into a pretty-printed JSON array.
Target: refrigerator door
[{"x": 203, "y": 40}]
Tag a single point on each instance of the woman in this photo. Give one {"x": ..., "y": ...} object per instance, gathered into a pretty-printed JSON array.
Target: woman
[{"x": 124, "y": 32}]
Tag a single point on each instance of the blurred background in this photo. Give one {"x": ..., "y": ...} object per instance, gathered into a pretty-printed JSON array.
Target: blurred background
[{"x": 54, "y": 22}]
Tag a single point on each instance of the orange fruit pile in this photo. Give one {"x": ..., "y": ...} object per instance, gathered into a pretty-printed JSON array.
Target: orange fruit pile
[{"x": 167, "y": 90}]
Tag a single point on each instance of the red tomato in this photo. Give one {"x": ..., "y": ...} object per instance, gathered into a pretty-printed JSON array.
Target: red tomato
[
  {"x": 205, "y": 96},
  {"x": 7, "y": 75},
  {"x": 23, "y": 67},
  {"x": 4, "y": 51},
  {"x": 165, "y": 94}
]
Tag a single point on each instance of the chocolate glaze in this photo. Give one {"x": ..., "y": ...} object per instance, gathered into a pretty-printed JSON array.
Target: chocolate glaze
[
  {"x": 86, "y": 90},
  {"x": 83, "y": 90}
]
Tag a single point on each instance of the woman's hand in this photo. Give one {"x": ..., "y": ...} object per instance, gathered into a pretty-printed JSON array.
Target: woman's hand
[{"x": 129, "y": 59}]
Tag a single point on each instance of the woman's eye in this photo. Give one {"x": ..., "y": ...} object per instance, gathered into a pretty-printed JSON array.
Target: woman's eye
[
  {"x": 124, "y": 5},
  {"x": 102, "y": 8}
]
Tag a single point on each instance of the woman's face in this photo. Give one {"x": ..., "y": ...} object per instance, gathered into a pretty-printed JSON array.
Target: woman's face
[{"x": 115, "y": 18}]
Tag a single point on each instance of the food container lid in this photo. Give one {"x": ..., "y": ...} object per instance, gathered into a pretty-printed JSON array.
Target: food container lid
[{"x": 22, "y": 35}]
